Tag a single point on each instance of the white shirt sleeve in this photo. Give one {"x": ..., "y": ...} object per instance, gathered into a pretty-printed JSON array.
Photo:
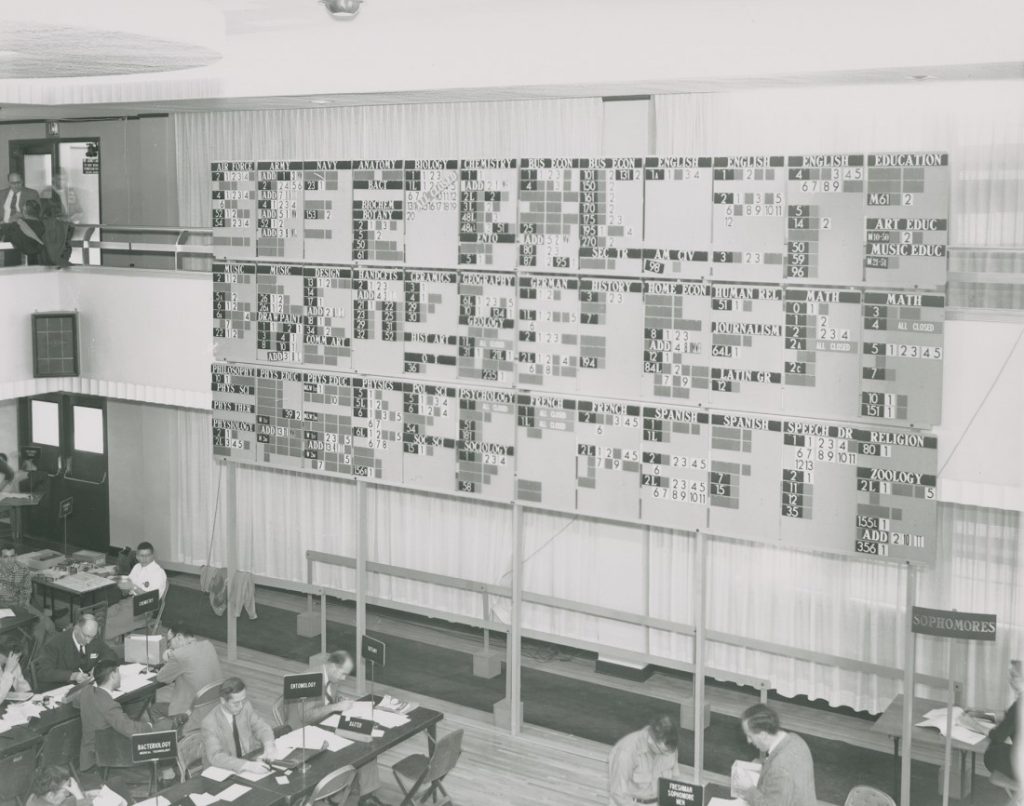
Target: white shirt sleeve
[{"x": 149, "y": 577}]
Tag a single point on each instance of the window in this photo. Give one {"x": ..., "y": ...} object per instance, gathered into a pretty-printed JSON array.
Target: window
[
  {"x": 88, "y": 429},
  {"x": 45, "y": 423}
]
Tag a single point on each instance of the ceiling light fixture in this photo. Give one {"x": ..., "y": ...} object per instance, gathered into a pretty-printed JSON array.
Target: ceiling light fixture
[{"x": 342, "y": 9}]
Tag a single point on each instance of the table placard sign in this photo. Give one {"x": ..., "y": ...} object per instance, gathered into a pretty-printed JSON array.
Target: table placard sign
[
  {"x": 303, "y": 686},
  {"x": 156, "y": 746},
  {"x": 679, "y": 793},
  {"x": 66, "y": 507},
  {"x": 953, "y": 625},
  {"x": 357, "y": 725},
  {"x": 374, "y": 651},
  {"x": 145, "y": 603}
]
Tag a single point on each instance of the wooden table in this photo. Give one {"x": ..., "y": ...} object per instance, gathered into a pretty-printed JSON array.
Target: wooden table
[
  {"x": 21, "y": 622},
  {"x": 24, "y": 736},
  {"x": 78, "y": 590},
  {"x": 890, "y": 724},
  {"x": 422, "y": 720}
]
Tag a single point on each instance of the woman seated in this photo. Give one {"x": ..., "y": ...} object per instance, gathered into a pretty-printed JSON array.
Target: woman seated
[
  {"x": 11, "y": 678},
  {"x": 55, "y": 786}
]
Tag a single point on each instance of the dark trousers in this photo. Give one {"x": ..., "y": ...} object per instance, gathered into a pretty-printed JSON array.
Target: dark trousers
[{"x": 999, "y": 758}]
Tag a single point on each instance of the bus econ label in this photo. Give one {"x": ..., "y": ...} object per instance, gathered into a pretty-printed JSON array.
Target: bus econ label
[{"x": 954, "y": 624}]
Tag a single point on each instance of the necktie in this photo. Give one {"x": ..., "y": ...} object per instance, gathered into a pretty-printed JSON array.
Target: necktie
[{"x": 238, "y": 739}]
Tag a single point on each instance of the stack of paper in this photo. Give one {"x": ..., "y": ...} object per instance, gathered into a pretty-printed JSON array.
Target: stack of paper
[
  {"x": 217, "y": 773},
  {"x": 726, "y": 802},
  {"x": 233, "y": 792},
  {"x": 133, "y": 676},
  {"x": 744, "y": 776},
  {"x": 6, "y": 612},
  {"x": 107, "y": 797},
  {"x": 315, "y": 738},
  {"x": 159, "y": 800},
  {"x": 937, "y": 718},
  {"x": 202, "y": 799}
]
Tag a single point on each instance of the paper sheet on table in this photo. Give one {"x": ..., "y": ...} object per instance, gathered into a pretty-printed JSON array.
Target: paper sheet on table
[
  {"x": 133, "y": 677},
  {"x": 936, "y": 718},
  {"x": 332, "y": 721},
  {"x": 316, "y": 737},
  {"x": 386, "y": 719},
  {"x": 217, "y": 773},
  {"x": 253, "y": 776},
  {"x": 159, "y": 800},
  {"x": 6, "y": 612},
  {"x": 233, "y": 792},
  {"x": 202, "y": 799},
  {"x": 107, "y": 797},
  {"x": 727, "y": 802}
]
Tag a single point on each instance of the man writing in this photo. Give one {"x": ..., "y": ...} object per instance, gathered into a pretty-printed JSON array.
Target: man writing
[
  {"x": 70, "y": 656},
  {"x": 233, "y": 730},
  {"x": 787, "y": 775},
  {"x": 639, "y": 759},
  {"x": 16, "y": 591},
  {"x": 101, "y": 711}
]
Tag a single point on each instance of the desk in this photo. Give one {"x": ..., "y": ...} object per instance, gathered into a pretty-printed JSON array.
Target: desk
[
  {"x": 198, "y": 785},
  {"x": 78, "y": 590},
  {"x": 16, "y": 502},
  {"x": 23, "y": 736},
  {"x": 890, "y": 724},
  {"x": 357, "y": 754}
]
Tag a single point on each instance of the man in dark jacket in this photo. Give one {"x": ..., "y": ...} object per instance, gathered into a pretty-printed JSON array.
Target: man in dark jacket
[
  {"x": 101, "y": 711},
  {"x": 787, "y": 775},
  {"x": 70, "y": 656}
]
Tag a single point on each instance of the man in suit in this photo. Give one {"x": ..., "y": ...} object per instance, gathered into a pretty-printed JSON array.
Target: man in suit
[
  {"x": 12, "y": 207},
  {"x": 70, "y": 656},
  {"x": 335, "y": 669},
  {"x": 233, "y": 729},
  {"x": 101, "y": 711},
  {"x": 190, "y": 664},
  {"x": 787, "y": 775}
]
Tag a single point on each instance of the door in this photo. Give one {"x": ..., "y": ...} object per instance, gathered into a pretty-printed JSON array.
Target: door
[
  {"x": 68, "y": 170},
  {"x": 69, "y": 435}
]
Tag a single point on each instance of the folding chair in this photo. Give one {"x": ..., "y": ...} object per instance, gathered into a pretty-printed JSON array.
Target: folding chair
[
  {"x": 203, "y": 702},
  {"x": 334, "y": 788},
  {"x": 61, "y": 745},
  {"x": 421, "y": 771},
  {"x": 190, "y": 755},
  {"x": 868, "y": 796},
  {"x": 16, "y": 775},
  {"x": 1009, "y": 786},
  {"x": 114, "y": 751}
]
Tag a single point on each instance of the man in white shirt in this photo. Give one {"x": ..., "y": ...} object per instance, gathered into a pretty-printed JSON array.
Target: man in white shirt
[
  {"x": 147, "y": 575},
  {"x": 639, "y": 759}
]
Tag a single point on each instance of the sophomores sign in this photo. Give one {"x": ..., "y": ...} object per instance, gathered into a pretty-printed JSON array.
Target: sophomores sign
[{"x": 953, "y": 624}]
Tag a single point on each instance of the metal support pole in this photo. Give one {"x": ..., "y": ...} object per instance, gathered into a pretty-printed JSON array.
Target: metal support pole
[
  {"x": 231, "y": 527},
  {"x": 908, "y": 685},
  {"x": 362, "y": 545},
  {"x": 947, "y": 753},
  {"x": 323, "y": 621},
  {"x": 487, "y": 617},
  {"x": 698, "y": 658},
  {"x": 513, "y": 672},
  {"x": 309, "y": 581}
]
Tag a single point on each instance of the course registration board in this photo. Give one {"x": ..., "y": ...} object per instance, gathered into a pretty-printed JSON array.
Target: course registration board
[
  {"x": 825, "y": 485},
  {"x": 878, "y": 219},
  {"x": 842, "y": 353}
]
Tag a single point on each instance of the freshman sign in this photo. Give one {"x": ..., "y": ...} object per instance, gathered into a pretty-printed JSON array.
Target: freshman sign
[{"x": 679, "y": 793}]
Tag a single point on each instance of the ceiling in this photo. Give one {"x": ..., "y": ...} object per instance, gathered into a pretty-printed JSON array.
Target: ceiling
[{"x": 291, "y": 53}]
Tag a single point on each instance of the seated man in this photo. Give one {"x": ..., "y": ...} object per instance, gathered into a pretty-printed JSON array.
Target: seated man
[
  {"x": 1001, "y": 739},
  {"x": 101, "y": 711},
  {"x": 190, "y": 664},
  {"x": 55, "y": 786},
  {"x": 639, "y": 759},
  {"x": 234, "y": 730},
  {"x": 16, "y": 591},
  {"x": 146, "y": 574},
  {"x": 338, "y": 666},
  {"x": 11, "y": 678},
  {"x": 69, "y": 657}
]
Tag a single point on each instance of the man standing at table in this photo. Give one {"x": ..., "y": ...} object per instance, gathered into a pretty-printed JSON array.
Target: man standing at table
[
  {"x": 70, "y": 656},
  {"x": 146, "y": 574},
  {"x": 190, "y": 664},
  {"x": 787, "y": 775},
  {"x": 12, "y": 206},
  {"x": 639, "y": 759},
  {"x": 233, "y": 730},
  {"x": 16, "y": 591},
  {"x": 101, "y": 711}
]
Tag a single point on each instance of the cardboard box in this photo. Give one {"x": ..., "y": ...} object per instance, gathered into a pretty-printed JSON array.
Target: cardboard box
[
  {"x": 94, "y": 557},
  {"x": 142, "y": 648}
]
